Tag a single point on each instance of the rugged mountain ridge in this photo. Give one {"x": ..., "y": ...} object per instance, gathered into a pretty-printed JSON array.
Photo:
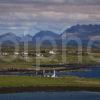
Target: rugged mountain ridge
[{"x": 84, "y": 32}]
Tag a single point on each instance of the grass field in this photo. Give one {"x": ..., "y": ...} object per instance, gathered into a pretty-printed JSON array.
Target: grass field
[
  {"x": 25, "y": 81},
  {"x": 70, "y": 59}
]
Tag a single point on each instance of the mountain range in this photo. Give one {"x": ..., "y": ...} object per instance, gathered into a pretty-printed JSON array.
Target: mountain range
[{"x": 84, "y": 32}]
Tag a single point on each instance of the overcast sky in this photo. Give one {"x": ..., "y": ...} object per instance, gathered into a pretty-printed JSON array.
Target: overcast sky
[{"x": 31, "y": 16}]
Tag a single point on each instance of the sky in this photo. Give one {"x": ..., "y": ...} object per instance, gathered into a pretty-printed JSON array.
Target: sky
[{"x": 31, "y": 16}]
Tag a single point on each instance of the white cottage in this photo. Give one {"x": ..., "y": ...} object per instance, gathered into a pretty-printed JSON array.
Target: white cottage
[
  {"x": 52, "y": 52},
  {"x": 16, "y": 53},
  {"x": 4, "y": 53},
  {"x": 39, "y": 55}
]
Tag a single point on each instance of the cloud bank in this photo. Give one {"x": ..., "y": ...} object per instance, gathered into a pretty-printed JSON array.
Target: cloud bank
[{"x": 30, "y": 16}]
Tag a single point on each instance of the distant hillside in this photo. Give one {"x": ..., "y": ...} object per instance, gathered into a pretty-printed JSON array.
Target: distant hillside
[
  {"x": 12, "y": 37},
  {"x": 44, "y": 34},
  {"x": 82, "y": 31},
  {"x": 9, "y": 37},
  {"x": 47, "y": 37},
  {"x": 26, "y": 38}
]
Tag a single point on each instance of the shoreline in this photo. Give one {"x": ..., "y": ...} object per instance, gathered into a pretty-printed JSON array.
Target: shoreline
[
  {"x": 13, "y": 84},
  {"x": 4, "y": 90}
]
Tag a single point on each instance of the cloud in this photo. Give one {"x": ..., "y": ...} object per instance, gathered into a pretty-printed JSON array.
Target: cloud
[
  {"x": 75, "y": 2},
  {"x": 47, "y": 14},
  {"x": 30, "y": 13}
]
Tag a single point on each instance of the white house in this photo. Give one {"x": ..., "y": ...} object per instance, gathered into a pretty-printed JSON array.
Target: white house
[
  {"x": 16, "y": 53},
  {"x": 39, "y": 55},
  {"x": 52, "y": 52},
  {"x": 25, "y": 53},
  {"x": 4, "y": 54}
]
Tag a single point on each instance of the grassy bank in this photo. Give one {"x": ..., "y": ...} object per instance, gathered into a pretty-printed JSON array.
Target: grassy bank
[
  {"x": 70, "y": 59},
  {"x": 16, "y": 83}
]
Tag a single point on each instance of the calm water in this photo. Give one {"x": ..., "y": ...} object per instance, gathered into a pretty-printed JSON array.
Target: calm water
[
  {"x": 52, "y": 96},
  {"x": 93, "y": 73},
  {"x": 77, "y": 95}
]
